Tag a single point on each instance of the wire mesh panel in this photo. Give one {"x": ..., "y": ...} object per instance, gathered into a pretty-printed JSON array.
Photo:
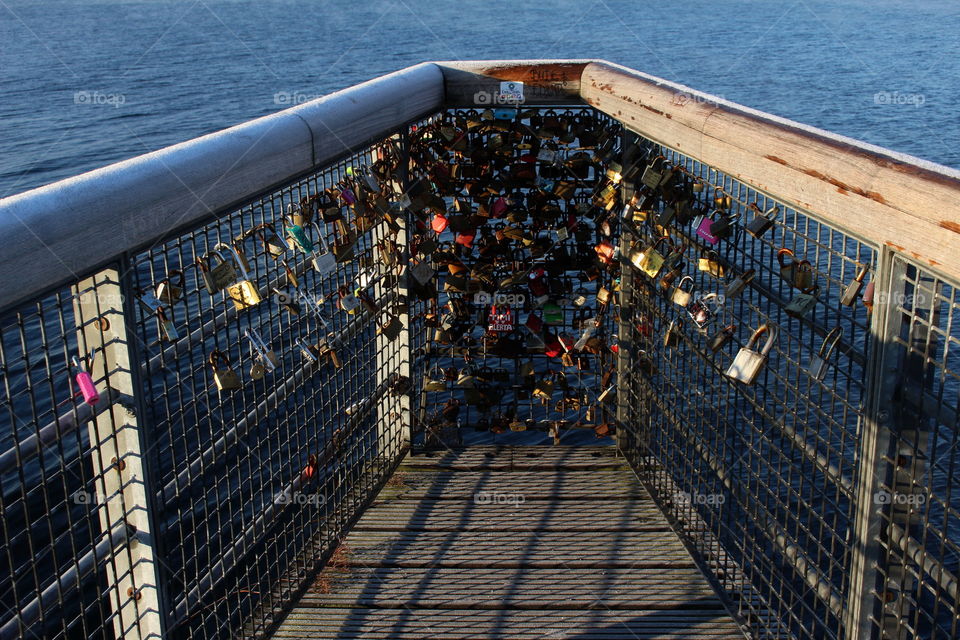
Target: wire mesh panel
[
  {"x": 58, "y": 554},
  {"x": 760, "y": 470},
  {"x": 514, "y": 330},
  {"x": 271, "y": 413},
  {"x": 916, "y": 497}
]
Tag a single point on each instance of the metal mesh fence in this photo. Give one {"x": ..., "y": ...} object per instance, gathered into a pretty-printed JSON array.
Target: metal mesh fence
[{"x": 759, "y": 476}]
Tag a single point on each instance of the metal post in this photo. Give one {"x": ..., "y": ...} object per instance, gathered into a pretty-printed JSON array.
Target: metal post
[
  {"x": 883, "y": 376},
  {"x": 393, "y": 357},
  {"x": 626, "y": 412},
  {"x": 117, "y": 444}
]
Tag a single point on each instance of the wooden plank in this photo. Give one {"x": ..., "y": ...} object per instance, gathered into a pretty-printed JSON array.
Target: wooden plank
[
  {"x": 515, "y": 458},
  {"x": 567, "y": 515},
  {"x": 516, "y": 549},
  {"x": 545, "y": 81},
  {"x": 390, "y": 624},
  {"x": 533, "y": 485},
  {"x": 533, "y": 589},
  {"x": 884, "y": 197}
]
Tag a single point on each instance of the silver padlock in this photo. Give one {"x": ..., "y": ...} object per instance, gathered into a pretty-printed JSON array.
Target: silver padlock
[
  {"x": 850, "y": 294},
  {"x": 748, "y": 363},
  {"x": 818, "y": 363},
  {"x": 323, "y": 260},
  {"x": 682, "y": 296},
  {"x": 736, "y": 287}
]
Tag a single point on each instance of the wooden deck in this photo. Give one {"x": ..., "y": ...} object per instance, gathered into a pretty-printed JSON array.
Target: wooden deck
[{"x": 513, "y": 542}]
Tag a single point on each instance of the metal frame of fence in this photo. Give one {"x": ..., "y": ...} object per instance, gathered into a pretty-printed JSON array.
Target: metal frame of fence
[{"x": 169, "y": 509}]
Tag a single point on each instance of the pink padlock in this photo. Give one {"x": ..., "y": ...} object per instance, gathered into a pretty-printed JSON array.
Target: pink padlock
[
  {"x": 87, "y": 389},
  {"x": 704, "y": 230}
]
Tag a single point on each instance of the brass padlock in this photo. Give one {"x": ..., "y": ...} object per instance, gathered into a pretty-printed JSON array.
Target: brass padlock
[
  {"x": 711, "y": 265},
  {"x": 222, "y": 274},
  {"x": 649, "y": 259},
  {"x": 682, "y": 296},
  {"x": 849, "y": 297},
  {"x": 818, "y": 363},
  {"x": 748, "y": 363},
  {"x": 674, "y": 331},
  {"x": 799, "y": 273},
  {"x": 244, "y": 293},
  {"x": 721, "y": 338},
  {"x": 170, "y": 289},
  {"x": 225, "y": 378}
]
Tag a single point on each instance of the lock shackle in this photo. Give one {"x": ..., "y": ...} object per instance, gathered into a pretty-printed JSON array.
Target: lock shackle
[
  {"x": 684, "y": 279},
  {"x": 770, "y": 330},
  {"x": 239, "y": 261},
  {"x": 169, "y": 279},
  {"x": 321, "y": 240},
  {"x": 748, "y": 275},
  {"x": 217, "y": 356},
  {"x": 784, "y": 253},
  {"x": 261, "y": 231},
  {"x": 87, "y": 361},
  {"x": 770, "y": 214},
  {"x": 830, "y": 342},
  {"x": 258, "y": 344},
  {"x": 862, "y": 273}
]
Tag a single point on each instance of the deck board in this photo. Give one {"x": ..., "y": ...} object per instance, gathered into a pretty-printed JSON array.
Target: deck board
[{"x": 511, "y": 542}]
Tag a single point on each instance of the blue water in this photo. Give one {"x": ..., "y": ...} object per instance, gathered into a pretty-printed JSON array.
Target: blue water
[{"x": 87, "y": 82}]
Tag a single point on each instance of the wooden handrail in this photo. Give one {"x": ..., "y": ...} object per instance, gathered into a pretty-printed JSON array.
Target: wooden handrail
[{"x": 883, "y": 197}]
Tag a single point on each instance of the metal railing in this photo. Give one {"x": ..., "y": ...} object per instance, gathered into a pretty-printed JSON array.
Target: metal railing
[{"x": 821, "y": 500}]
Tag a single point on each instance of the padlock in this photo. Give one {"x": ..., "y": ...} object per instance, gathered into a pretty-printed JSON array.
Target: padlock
[
  {"x": 434, "y": 380},
  {"x": 222, "y": 274},
  {"x": 868, "y": 297},
  {"x": 391, "y": 328},
  {"x": 296, "y": 215},
  {"x": 748, "y": 363},
  {"x": 704, "y": 224},
  {"x": 671, "y": 338},
  {"x": 170, "y": 289},
  {"x": 88, "y": 390},
  {"x": 203, "y": 269},
  {"x": 736, "y": 287},
  {"x": 667, "y": 280},
  {"x": 225, "y": 378},
  {"x": 802, "y": 303},
  {"x": 168, "y": 330},
  {"x": 762, "y": 221},
  {"x": 818, "y": 363},
  {"x": 703, "y": 309},
  {"x": 347, "y": 301},
  {"x": 723, "y": 226},
  {"x": 321, "y": 257},
  {"x": 268, "y": 360},
  {"x": 849, "y": 297},
  {"x": 649, "y": 259},
  {"x": 653, "y": 175},
  {"x": 244, "y": 293},
  {"x": 422, "y": 272},
  {"x": 682, "y": 296},
  {"x": 799, "y": 273},
  {"x": 721, "y": 338},
  {"x": 603, "y": 296},
  {"x": 272, "y": 242},
  {"x": 722, "y": 201},
  {"x": 712, "y": 265}
]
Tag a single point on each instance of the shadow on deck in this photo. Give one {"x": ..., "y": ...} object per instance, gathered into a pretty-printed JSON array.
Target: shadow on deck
[{"x": 511, "y": 542}]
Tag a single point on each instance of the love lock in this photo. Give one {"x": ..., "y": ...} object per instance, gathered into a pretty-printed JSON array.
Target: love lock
[{"x": 704, "y": 309}]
